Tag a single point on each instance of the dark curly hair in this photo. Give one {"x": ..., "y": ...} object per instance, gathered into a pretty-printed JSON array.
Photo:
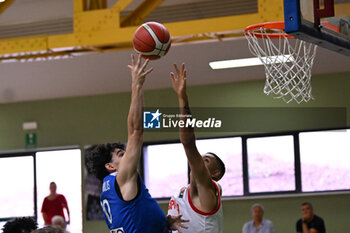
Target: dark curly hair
[
  {"x": 98, "y": 155},
  {"x": 20, "y": 225}
]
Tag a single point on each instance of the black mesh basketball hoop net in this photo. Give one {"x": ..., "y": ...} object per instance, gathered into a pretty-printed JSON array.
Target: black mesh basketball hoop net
[{"x": 288, "y": 61}]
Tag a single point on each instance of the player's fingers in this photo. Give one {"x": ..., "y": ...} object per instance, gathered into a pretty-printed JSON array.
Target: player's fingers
[
  {"x": 176, "y": 69},
  {"x": 183, "y": 226},
  {"x": 182, "y": 67},
  {"x": 132, "y": 59},
  {"x": 185, "y": 220},
  {"x": 138, "y": 60},
  {"x": 185, "y": 72},
  {"x": 172, "y": 76},
  {"x": 147, "y": 71},
  {"x": 144, "y": 64},
  {"x": 130, "y": 67}
]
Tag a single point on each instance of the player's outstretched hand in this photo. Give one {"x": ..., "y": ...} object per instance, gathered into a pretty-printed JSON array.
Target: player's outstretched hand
[
  {"x": 179, "y": 80},
  {"x": 176, "y": 222},
  {"x": 137, "y": 69}
]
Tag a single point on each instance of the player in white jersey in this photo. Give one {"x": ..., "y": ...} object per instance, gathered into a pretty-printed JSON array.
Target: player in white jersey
[{"x": 200, "y": 201}]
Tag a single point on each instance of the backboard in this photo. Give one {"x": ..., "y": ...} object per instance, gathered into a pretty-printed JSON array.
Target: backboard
[{"x": 322, "y": 22}]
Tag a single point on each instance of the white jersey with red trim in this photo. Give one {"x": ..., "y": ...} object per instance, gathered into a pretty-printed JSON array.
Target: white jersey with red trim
[{"x": 200, "y": 222}]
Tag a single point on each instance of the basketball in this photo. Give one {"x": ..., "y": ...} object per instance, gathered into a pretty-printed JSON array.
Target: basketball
[{"x": 152, "y": 40}]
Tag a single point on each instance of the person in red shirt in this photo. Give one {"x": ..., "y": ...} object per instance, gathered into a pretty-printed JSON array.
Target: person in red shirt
[{"x": 53, "y": 205}]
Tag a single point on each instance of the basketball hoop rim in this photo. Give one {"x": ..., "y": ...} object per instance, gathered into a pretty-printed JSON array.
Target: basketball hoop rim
[{"x": 268, "y": 25}]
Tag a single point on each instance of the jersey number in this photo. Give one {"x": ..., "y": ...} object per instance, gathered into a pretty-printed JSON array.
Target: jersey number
[{"x": 107, "y": 210}]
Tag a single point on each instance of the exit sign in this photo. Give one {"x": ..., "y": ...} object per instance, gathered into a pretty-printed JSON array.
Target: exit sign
[{"x": 30, "y": 140}]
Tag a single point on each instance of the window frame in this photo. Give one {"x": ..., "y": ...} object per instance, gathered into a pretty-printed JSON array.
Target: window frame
[
  {"x": 23, "y": 154},
  {"x": 32, "y": 152},
  {"x": 244, "y": 137},
  {"x": 151, "y": 143},
  {"x": 296, "y": 165}
]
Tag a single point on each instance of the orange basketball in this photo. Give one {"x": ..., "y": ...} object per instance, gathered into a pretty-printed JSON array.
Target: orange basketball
[{"x": 152, "y": 40}]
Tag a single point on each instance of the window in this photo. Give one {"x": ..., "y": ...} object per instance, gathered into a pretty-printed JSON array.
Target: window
[
  {"x": 325, "y": 160},
  {"x": 292, "y": 162},
  {"x": 230, "y": 152},
  {"x": 165, "y": 167},
  {"x": 271, "y": 164},
  {"x": 64, "y": 168},
  {"x": 17, "y": 182}
]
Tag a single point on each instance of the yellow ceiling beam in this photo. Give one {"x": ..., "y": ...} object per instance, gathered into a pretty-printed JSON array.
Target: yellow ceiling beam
[
  {"x": 24, "y": 45},
  {"x": 97, "y": 4},
  {"x": 5, "y": 5},
  {"x": 101, "y": 29},
  {"x": 116, "y": 36},
  {"x": 121, "y": 4},
  {"x": 138, "y": 16},
  {"x": 79, "y": 5}
]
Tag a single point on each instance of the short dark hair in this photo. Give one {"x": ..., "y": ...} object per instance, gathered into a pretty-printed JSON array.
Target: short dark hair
[
  {"x": 307, "y": 203},
  {"x": 220, "y": 163},
  {"x": 98, "y": 155},
  {"x": 23, "y": 225}
]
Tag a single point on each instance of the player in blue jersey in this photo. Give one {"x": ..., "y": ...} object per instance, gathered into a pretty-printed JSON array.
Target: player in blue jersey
[{"x": 127, "y": 205}]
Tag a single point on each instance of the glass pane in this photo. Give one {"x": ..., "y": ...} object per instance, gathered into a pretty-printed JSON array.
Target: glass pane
[
  {"x": 230, "y": 152},
  {"x": 162, "y": 164},
  {"x": 2, "y": 224},
  {"x": 325, "y": 160},
  {"x": 17, "y": 186},
  {"x": 271, "y": 164},
  {"x": 64, "y": 168}
]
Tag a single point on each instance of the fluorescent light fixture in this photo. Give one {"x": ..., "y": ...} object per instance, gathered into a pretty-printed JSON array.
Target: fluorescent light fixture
[
  {"x": 2, "y": 0},
  {"x": 254, "y": 61}
]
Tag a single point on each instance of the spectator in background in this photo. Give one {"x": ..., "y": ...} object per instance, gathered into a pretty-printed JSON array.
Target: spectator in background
[
  {"x": 258, "y": 224},
  {"x": 310, "y": 222},
  {"x": 58, "y": 222},
  {"x": 20, "y": 225},
  {"x": 48, "y": 229},
  {"x": 53, "y": 205}
]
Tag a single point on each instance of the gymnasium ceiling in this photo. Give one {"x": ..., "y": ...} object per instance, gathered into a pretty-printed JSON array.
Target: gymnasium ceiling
[{"x": 101, "y": 70}]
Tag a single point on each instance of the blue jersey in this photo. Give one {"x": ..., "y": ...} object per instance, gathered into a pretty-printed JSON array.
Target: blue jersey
[{"x": 141, "y": 215}]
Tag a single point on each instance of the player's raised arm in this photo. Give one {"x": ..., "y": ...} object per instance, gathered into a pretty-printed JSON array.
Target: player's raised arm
[
  {"x": 127, "y": 173},
  {"x": 201, "y": 185}
]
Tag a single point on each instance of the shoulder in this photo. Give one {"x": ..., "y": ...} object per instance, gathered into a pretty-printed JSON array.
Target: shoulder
[
  {"x": 45, "y": 200},
  {"x": 318, "y": 219},
  {"x": 268, "y": 222},
  {"x": 109, "y": 180},
  {"x": 299, "y": 222},
  {"x": 246, "y": 225},
  {"x": 61, "y": 196},
  {"x": 110, "y": 176},
  {"x": 218, "y": 188},
  {"x": 181, "y": 192}
]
